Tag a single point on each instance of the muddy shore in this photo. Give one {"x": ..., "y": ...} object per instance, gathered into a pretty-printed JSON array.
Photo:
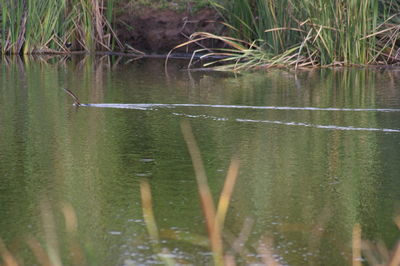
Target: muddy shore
[{"x": 157, "y": 31}]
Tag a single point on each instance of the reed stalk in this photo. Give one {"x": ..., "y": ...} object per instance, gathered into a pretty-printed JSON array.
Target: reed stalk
[
  {"x": 207, "y": 203},
  {"x": 49, "y": 26},
  {"x": 307, "y": 33},
  {"x": 151, "y": 224}
]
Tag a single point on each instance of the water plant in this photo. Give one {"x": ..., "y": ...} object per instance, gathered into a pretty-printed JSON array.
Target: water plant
[
  {"x": 49, "y": 26},
  {"x": 266, "y": 33}
]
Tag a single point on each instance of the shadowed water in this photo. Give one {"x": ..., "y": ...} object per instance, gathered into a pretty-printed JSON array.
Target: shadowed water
[{"x": 319, "y": 153}]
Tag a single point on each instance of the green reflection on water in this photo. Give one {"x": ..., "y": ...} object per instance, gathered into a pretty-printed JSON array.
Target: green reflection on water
[{"x": 304, "y": 187}]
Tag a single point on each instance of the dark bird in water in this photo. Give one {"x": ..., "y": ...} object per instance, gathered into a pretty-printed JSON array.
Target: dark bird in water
[{"x": 76, "y": 100}]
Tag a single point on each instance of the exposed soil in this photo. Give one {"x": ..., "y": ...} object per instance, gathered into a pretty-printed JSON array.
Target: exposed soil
[{"x": 159, "y": 30}]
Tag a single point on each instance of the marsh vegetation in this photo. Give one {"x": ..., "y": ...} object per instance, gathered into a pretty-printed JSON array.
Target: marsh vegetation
[
  {"x": 308, "y": 33},
  {"x": 257, "y": 34},
  {"x": 292, "y": 166}
]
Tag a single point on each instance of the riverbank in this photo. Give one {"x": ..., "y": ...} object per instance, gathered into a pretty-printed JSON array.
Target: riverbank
[
  {"x": 245, "y": 34},
  {"x": 139, "y": 27},
  {"x": 158, "y": 30}
]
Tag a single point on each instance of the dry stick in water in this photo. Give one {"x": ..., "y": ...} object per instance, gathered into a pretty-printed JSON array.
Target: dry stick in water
[
  {"x": 71, "y": 226},
  {"x": 226, "y": 193},
  {"x": 207, "y": 203},
  {"x": 238, "y": 243},
  {"x": 38, "y": 251},
  {"x": 224, "y": 200},
  {"x": 357, "y": 245},
  {"x": 395, "y": 260},
  {"x": 50, "y": 232},
  {"x": 150, "y": 222},
  {"x": 7, "y": 257},
  {"x": 265, "y": 249},
  {"x": 148, "y": 214},
  {"x": 397, "y": 221}
]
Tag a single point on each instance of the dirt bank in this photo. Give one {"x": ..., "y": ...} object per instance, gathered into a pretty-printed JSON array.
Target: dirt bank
[{"x": 159, "y": 30}]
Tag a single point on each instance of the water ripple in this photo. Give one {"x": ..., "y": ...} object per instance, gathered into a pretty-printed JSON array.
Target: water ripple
[
  {"x": 277, "y": 122},
  {"x": 153, "y": 106}
]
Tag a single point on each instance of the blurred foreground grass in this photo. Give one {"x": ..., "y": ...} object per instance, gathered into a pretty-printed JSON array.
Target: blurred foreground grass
[{"x": 225, "y": 247}]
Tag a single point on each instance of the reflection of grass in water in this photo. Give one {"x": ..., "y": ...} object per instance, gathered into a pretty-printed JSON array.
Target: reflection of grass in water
[{"x": 238, "y": 251}]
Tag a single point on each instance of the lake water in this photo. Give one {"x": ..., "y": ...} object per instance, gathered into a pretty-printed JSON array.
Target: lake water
[{"x": 70, "y": 176}]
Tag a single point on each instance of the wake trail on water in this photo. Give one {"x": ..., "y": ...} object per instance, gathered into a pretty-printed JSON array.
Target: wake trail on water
[
  {"x": 277, "y": 122},
  {"x": 153, "y": 106}
]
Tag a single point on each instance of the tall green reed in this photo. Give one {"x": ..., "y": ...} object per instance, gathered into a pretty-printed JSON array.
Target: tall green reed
[
  {"x": 251, "y": 19},
  {"x": 32, "y": 26},
  {"x": 337, "y": 29},
  {"x": 305, "y": 32},
  {"x": 13, "y": 19},
  {"x": 43, "y": 25}
]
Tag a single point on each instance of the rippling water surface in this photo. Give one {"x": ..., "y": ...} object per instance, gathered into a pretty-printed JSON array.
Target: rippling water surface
[{"x": 319, "y": 152}]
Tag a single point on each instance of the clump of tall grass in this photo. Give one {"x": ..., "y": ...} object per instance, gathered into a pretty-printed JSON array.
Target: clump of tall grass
[
  {"x": 308, "y": 32},
  {"x": 48, "y": 26}
]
